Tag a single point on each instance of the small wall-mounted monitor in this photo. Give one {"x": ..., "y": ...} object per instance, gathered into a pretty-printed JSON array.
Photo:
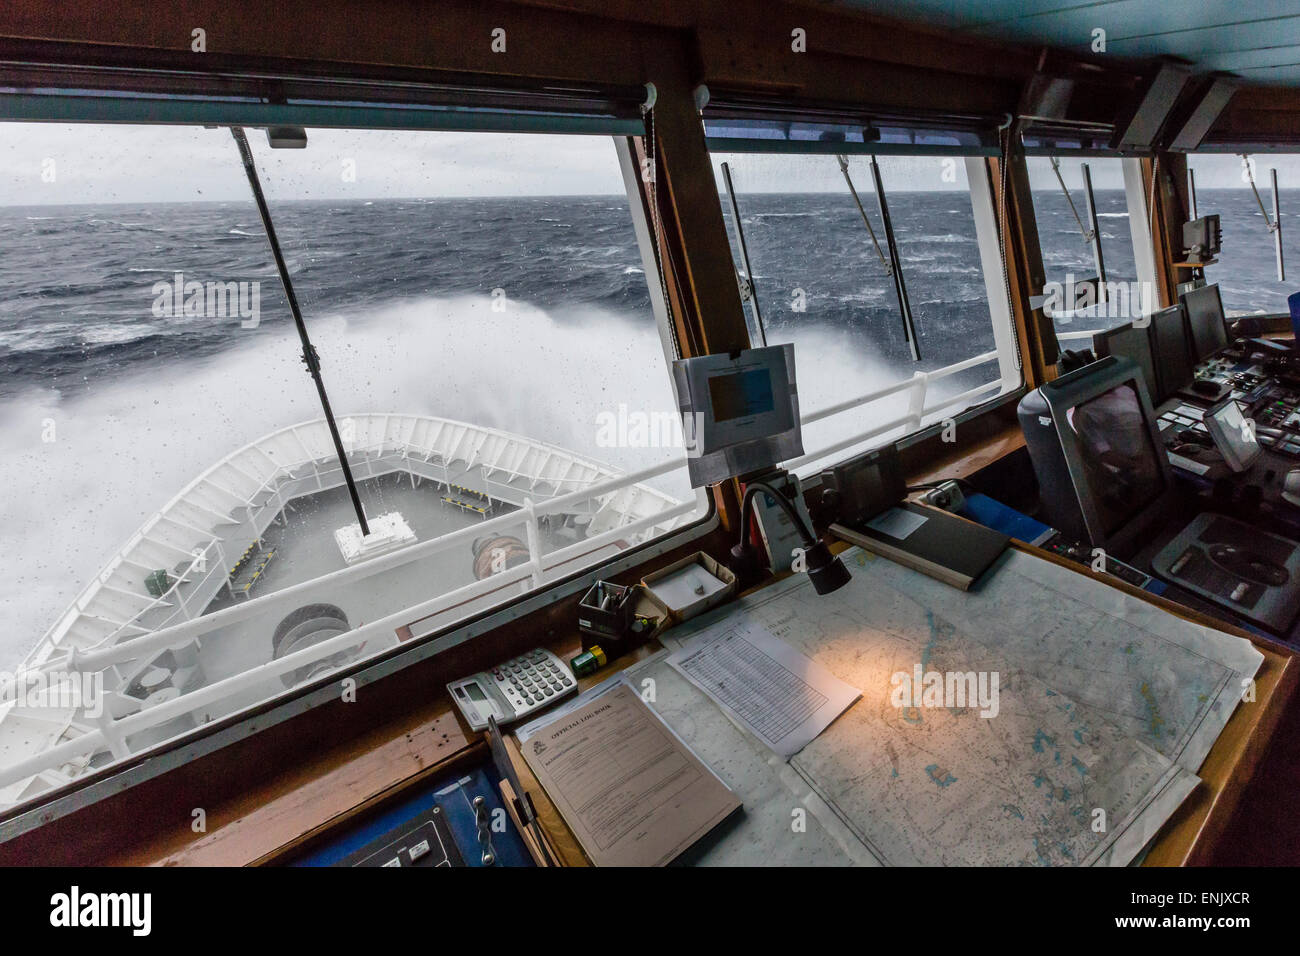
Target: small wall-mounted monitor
[
  {"x": 1172, "y": 351},
  {"x": 1134, "y": 344},
  {"x": 1103, "y": 475},
  {"x": 1205, "y": 321},
  {"x": 865, "y": 485},
  {"x": 747, "y": 393},
  {"x": 1202, "y": 239},
  {"x": 740, "y": 412},
  {"x": 738, "y": 399}
]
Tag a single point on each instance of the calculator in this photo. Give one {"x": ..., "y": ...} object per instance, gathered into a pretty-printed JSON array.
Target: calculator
[{"x": 513, "y": 689}]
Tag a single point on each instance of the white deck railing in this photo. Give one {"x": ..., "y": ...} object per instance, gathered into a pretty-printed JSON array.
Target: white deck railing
[
  {"x": 259, "y": 480},
  {"x": 112, "y": 733}
]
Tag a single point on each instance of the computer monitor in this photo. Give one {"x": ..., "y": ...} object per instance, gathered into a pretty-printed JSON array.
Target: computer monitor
[
  {"x": 1205, "y": 320},
  {"x": 1134, "y": 344},
  {"x": 738, "y": 398},
  {"x": 1103, "y": 475},
  {"x": 1172, "y": 351}
]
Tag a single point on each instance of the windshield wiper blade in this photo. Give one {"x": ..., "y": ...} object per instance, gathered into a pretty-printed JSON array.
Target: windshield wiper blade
[{"x": 310, "y": 357}]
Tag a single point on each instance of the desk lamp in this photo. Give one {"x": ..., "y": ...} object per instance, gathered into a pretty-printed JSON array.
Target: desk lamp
[{"x": 826, "y": 571}]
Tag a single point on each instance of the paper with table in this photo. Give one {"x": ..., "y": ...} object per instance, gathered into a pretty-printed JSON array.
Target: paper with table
[
  {"x": 780, "y": 695},
  {"x": 630, "y": 790}
]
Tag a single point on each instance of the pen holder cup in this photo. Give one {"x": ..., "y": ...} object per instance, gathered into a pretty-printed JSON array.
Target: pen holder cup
[{"x": 609, "y": 617}]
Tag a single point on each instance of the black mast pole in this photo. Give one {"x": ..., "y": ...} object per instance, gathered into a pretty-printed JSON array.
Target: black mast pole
[{"x": 309, "y": 356}]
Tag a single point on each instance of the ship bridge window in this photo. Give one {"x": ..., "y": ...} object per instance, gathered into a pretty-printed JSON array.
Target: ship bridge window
[
  {"x": 885, "y": 274},
  {"x": 1087, "y": 245},
  {"x": 1241, "y": 193},
  {"x": 175, "y": 510}
]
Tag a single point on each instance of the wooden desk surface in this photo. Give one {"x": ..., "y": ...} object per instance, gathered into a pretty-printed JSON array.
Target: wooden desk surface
[{"x": 962, "y": 462}]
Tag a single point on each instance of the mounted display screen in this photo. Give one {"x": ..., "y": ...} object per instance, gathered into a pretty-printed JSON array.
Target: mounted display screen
[
  {"x": 741, "y": 394},
  {"x": 1119, "y": 461}
]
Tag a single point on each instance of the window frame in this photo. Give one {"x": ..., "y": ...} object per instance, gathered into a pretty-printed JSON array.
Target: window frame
[
  {"x": 1140, "y": 234},
  {"x": 1235, "y": 314},
  {"x": 1010, "y": 382},
  {"x": 92, "y": 786}
]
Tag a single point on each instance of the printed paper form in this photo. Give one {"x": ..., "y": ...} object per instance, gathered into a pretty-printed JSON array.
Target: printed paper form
[
  {"x": 632, "y": 793},
  {"x": 780, "y": 695}
]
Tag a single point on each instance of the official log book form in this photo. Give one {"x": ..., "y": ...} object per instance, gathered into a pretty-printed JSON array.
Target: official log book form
[
  {"x": 632, "y": 792},
  {"x": 1104, "y": 701}
]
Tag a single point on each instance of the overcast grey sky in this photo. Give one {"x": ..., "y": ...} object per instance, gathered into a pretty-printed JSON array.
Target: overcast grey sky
[
  {"x": 1212, "y": 171},
  {"x": 56, "y": 163},
  {"x": 179, "y": 164}
]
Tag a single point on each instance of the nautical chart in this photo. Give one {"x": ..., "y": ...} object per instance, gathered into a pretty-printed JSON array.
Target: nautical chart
[
  {"x": 1168, "y": 682},
  {"x": 1105, "y": 708}
]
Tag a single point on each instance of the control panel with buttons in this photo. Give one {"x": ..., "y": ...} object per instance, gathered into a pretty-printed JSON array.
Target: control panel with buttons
[
  {"x": 423, "y": 841},
  {"x": 513, "y": 689},
  {"x": 1080, "y": 553}
]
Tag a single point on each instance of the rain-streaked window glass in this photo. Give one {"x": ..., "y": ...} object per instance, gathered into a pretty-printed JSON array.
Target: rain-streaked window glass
[
  {"x": 175, "y": 508},
  {"x": 823, "y": 280},
  {"x": 1246, "y": 267},
  {"x": 1065, "y": 236}
]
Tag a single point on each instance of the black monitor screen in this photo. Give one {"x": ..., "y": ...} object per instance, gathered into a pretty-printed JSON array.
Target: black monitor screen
[
  {"x": 1133, "y": 344},
  {"x": 1173, "y": 362},
  {"x": 1116, "y": 453},
  {"x": 741, "y": 394},
  {"x": 867, "y": 484},
  {"x": 1205, "y": 320}
]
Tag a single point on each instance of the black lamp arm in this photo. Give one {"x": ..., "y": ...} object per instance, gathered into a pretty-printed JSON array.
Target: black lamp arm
[{"x": 746, "y": 506}]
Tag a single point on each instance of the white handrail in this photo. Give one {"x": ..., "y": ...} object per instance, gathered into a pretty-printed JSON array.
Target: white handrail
[
  {"x": 281, "y": 470},
  {"x": 881, "y": 429},
  {"x": 52, "y": 643},
  {"x": 899, "y": 386}
]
